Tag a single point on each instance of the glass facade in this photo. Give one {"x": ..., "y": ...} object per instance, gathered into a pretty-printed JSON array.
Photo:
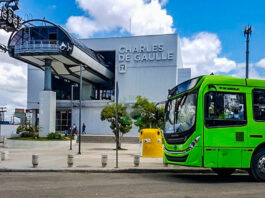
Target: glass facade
[{"x": 63, "y": 120}]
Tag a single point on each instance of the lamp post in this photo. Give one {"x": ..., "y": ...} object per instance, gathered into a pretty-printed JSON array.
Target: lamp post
[
  {"x": 247, "y": 33},
  {"x": 117, "y": 124},
  {"x": 72, "y": 108},
  {"x": 80, "y": 109}
]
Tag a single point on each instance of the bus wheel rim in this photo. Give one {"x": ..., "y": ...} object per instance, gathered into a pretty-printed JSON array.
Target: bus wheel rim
[{"x": 261, "y": 164}]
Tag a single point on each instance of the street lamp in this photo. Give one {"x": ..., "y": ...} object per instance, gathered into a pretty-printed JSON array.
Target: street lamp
[
  {"x": 247, "y": 33},
  {"x": 80, "y": 109},
  {"x": 72, "y": 108},
  {"x": 117, "y": 124}
]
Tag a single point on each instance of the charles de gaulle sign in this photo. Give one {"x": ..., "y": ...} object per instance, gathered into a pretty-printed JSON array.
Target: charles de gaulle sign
[
  {"x": 154, "y": 52},
  {"x": 141, "y": 54}
]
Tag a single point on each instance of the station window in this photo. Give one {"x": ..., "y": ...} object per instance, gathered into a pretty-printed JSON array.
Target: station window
[
  {"x": 259, "y": 104},
  {"x": 225, "y": 109}
]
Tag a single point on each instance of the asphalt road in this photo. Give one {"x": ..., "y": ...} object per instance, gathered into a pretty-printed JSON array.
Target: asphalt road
[{"x": 35, "y": 185}]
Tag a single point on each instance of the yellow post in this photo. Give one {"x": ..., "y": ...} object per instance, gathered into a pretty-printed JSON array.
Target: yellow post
[{"x": 151, "y": 143}]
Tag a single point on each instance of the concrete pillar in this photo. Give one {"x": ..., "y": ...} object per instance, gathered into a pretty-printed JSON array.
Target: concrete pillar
[
  {"x": 35, "y": 160},
  {"x": 34, "y": 118},
  {"x": 47, "y": 107},
  {"x": 70, "y": 160},
  {"x": 4, "y": 155},
  {"x": 86, "y": 91},
  {"x": 48, "y": 75},
  {"x": 136, "y": 160},
  {"x": 47, "y": 113},
  {"x": 104, "y": 160}
]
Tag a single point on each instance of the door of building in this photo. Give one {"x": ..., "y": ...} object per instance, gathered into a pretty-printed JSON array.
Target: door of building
[{"x": 63, "y": 120}]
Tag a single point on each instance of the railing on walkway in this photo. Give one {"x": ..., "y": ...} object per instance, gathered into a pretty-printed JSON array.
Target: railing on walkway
[{"x": 38, "y": 46}]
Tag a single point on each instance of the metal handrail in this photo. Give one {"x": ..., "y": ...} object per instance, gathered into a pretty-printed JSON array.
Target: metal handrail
[{"x": 38, "y": 44}]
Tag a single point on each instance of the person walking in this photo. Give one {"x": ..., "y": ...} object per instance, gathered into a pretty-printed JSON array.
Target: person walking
[
  {"x": 84, "y": 129},
  {"x": 74, "y": 129}
]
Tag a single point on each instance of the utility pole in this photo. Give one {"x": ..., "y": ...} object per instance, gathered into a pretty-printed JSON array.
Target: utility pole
[
  {"x": 72, "y": 109},
  {"x": 247, "y": 33},
  {"x": 117, "y": 124},
  {"x": 80, "y": 110}
]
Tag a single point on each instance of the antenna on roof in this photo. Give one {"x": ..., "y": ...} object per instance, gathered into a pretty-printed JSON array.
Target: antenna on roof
[{"x": 247, "y": 33}]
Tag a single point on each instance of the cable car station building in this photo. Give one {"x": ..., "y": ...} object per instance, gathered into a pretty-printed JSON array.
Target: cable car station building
[{"x": 142, "y": 65}]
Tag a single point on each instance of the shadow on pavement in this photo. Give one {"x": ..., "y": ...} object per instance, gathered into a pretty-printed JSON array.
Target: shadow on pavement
[{"x": 203, "y": 178}]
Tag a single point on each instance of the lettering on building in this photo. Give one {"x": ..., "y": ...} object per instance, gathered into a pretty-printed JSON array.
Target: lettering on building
[{"x": 141, "y": 54}]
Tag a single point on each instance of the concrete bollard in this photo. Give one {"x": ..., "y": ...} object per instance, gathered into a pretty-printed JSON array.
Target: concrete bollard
[
  {"x": 136, "y": 160},
  {"x": 70, "y": 160},
  {"x": 104, "y": 160},
  {"x": 35, "y": 160},
  {"x": 4, "y": 155}
]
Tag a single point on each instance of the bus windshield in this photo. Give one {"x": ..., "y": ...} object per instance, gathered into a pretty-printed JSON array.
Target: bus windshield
[
  {"x": 185, "y": 86},
  {"x": 180, "y": 114}
]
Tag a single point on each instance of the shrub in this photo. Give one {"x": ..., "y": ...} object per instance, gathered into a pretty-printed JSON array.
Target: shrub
[
  {"x": 54, "y": 136},
  {"x": 28, "y": 131},
  {"x": 20, "y": 129},
  {"x": 26, "y": 134},
  {"x": 35, "y": 135},
  {"x": 58, "y": 136}
]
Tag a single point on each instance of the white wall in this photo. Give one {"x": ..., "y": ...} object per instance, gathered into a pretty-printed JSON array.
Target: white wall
[
  {"x": 91, "y": 118},
  {"x": 151, "y": 79},
  {"x": 8, "y": 130},
  {"x": 35, "y": 86}
]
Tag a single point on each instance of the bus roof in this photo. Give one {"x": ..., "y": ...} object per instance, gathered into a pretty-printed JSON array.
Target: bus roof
[
  {"x": 194, "y": 83},
  {"x": 231, "y": 80}
]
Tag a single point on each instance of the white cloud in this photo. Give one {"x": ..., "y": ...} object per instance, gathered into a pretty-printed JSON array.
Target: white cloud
[
  {"x": 139, "y": 17},
  {"x": 240, "y": 71},
  {"x": 261, "y": 63},
  {"x": 82, "y": 26},
  {"x": 13, "y": 80},
  {"x": 201, "y": 53}
]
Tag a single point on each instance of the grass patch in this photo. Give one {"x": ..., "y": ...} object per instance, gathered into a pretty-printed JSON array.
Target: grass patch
[{"x": 38, "y": 139}]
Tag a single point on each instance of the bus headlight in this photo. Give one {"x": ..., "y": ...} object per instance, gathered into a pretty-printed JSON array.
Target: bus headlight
[
  {"x": 194, "y": 142},
  {"x": 191, "y": 146}
]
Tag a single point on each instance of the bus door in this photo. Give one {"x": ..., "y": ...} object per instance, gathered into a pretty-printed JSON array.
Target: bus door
[{"x": 225, "y": 129}]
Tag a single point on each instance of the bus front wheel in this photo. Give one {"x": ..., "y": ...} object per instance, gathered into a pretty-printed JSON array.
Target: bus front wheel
[
  {"x": 224, "y": 172},
  {"x": 257, "y": 168}
]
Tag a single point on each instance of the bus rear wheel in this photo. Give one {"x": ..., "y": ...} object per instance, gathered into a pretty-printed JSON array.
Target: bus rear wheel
[
  {"x": 257, "y": 168},
  {"x": 224, "y": 172}
]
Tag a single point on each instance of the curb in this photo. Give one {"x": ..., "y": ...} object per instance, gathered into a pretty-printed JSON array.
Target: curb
[{"x": 113, "y": 170}]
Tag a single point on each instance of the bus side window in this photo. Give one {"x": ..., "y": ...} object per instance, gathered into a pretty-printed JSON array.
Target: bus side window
[
  {"x": 225, "y": 109},
  {"x": 259, "y": 104}
]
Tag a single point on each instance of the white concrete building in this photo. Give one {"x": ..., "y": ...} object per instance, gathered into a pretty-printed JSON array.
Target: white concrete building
[{"x": 143, "y": 65}]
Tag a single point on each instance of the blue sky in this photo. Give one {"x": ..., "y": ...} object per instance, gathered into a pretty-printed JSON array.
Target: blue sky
[
  {"x": 224, "y": 18},
  {"x": 211, "y": 33}
]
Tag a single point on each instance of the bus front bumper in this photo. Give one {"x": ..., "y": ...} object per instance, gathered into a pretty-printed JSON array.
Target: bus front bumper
[{"x": 192, "y": 157}]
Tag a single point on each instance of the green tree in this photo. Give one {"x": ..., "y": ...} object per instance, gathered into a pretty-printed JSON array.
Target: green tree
[
  {"x": 147, "y": 114},
  {"x": 108, "y": 113}
]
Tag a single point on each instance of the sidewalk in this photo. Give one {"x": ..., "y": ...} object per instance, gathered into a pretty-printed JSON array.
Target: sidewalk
[{"x": 55, "y": 160}]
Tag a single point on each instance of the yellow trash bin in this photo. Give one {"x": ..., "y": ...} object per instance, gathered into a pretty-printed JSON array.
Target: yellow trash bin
[{"x": 151, "y": 143}]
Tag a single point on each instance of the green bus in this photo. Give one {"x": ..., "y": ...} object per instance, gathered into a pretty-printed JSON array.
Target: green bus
[{"x": 217, "y": 122}]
